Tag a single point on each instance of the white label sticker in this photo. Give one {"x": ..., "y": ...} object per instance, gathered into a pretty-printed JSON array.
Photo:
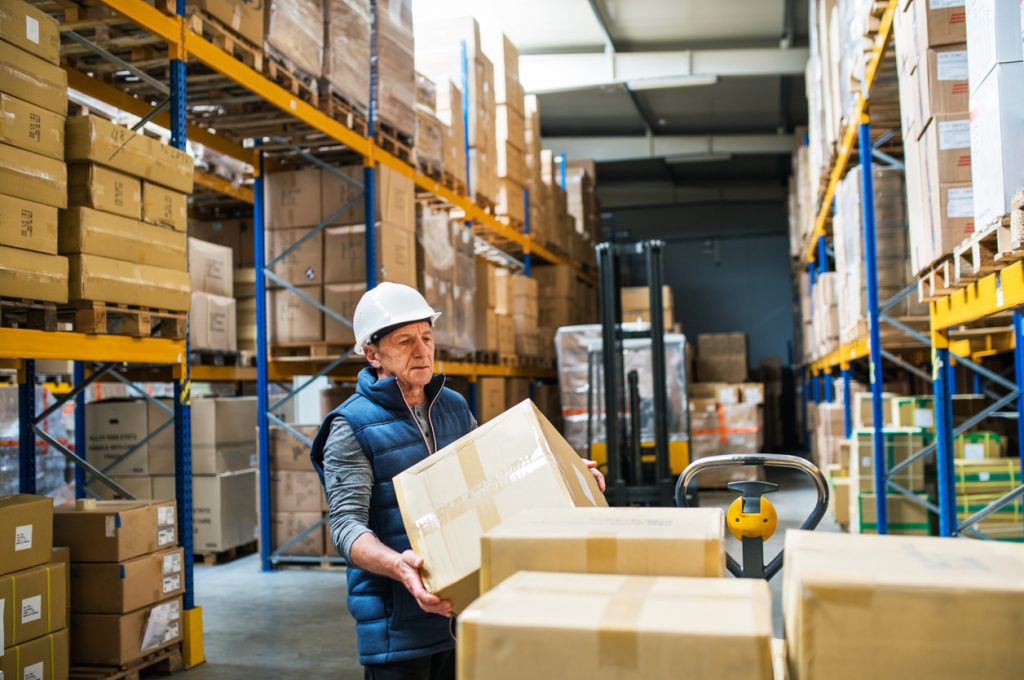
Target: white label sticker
[
  {"x": 165, "y": 516},
  {"x": 865, "y": 462},
  {"x": 974, "y": 451},
  {"x": 165, "y": 537},
  {"x": 924, "y": 417},
  {"x": 33, "y": 672},
  {"x": 960, "y": 202},
  {"x": 945, "y": 4},
  {"x": 983, "y": 476},
  {"x": 999, "y": 289},
  {"x": 32, "y": 29},
  {"x": 254, "y": 460},
  {"x": 23, "y": 537},
  {"x": 955, "y": 134},
  {"x": 110, "y": 526},
  {"x": 172, "y": 583},
  {"x": 161, "y": 625},
  {"x": 172, "y": 563},
  {"x": 32, "y": 609},
  {"x": 951, "y": 65}
]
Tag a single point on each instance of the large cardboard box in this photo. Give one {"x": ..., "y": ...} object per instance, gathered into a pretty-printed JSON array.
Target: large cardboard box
[
  {"x": 585, "y": 626},
  {"x": 213, "y": 323},
  {"x": 116, "y": 425},
  {"x": 947, "y": 142},
  {"x": 287, "y": 452},
  {"x": 90, "y": 231},
  {"x": 99, "y": 187},
  {"x": 863, "y": 409},
  {"x": 905, "y": 516},
  {"x": 93, "y": 139},
  {"x": 293, "y": 199},
  {"x": 899, "y": 444},
  {"x": 31, "y": 127},
  {"x": 30, "y": 29},
  {"x": 295, "y": 491},
  {"x": 33, "y": 177},
  {"x": 26, "y": 531},
  {"x": 938, "y": 23},
  {"x": 32, "y": 275},
  {"x": 33, "y": 79},
  {"x": 345, "y": 254},
  {"x": 223, "y": 435},
  {"x": 223, "y": 508},
  {"x": 877, "y": 606},
  {"x": 633, "y": 541},
  {"x": 347, "y": 50},
  {"x": 490, "y": 397},
  {"x": 36, "y": 602},
  {"x": 304, "y": 265},
  {"x": 295, "y": 31},
  {"x": 993, "y": 36},
  {"x": 44, "y": 657},
  {"x": 449, "y": 500},
  {"x": 245, "y": 18},
  {"x": 294, "y": 320},
  {"x": 287, "y": 525},
  {"x": 341, "y": 298},
  {"x": 118, "y": 639},
  {"x": 27, "y": 224},
  {"x": 121, "y": 587},
  {"x": 942, "y": 79},
  {"x": 140, "y": 488},
  {"x": 997, "y": 141},
  {"x": 165, "y": 207},
  {"x": 210, "y": 266},
  {"x": 114, "y": 531}
]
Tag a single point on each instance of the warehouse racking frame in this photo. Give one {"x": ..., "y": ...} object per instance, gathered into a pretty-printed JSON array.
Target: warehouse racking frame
[{"x": 999, "y": 292}]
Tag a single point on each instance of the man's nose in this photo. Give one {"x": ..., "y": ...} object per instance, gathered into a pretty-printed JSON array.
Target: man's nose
[{"x": 419, "y": 347}]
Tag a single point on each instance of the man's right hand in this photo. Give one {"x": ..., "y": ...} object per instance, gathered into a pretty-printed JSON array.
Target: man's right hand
[{"x": 409, "y": 565}]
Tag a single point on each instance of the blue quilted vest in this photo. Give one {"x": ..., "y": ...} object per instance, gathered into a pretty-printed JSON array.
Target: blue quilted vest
[{"x": 390, "y": 626}]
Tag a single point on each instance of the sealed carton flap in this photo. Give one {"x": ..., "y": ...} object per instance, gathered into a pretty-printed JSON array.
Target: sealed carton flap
[
  {"x": 859, "y": 562},
  {"x": 620, "y": 523}
]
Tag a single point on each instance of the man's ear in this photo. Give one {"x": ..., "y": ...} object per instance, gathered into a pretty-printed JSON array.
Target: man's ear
[{"x": 371, "y": 355}]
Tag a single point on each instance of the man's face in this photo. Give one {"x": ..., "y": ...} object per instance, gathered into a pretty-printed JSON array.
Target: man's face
[{"x": 407, "y": 354}]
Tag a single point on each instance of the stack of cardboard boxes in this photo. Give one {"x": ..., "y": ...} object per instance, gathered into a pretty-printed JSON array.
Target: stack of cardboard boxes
[
  {"x": 296, "y": 496},
  {"x": 453, "y": 141},
  {"x": 33, "y": 177},
  {"x": 430, "y": 131},
  {"x": 824, "y": 324},
  {"x": 237, "y": 236},
  {"x": 346, "y": 58},
  {"x": 510, "y": 134},
  {"x": 295, "y": 35},
  {"x": 983, "y": 474},
  {"x": 563, "y": 300},
  {"x": 636, "y": 305},
  {"x": 396, "y": 94},
  {"x": 213, "y": 318},
  {"x": 34, "y": 586},
  {"x": 495, "y": 327},
  {"x": 581, "y": 193},
  {"x": 126, "y": 579},
  {"x": 516, "y": 296},
  {"x": 115, "y": 434},
  {"x": 447, "y": 273},
  {"x": 540, "y": 219},
  {"x": 125, "y": 225},
  {"x": 722, "y": 357},
  {"x": 726, "y": 418}
]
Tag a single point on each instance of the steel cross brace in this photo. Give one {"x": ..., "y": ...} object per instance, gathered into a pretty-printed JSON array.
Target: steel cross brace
[
  {"x": 327, "y": 221},
  {"x": 290, "y": 429},
  {"x": 319, "y": 374},
  {"x": 284, "y": 284},
  {"x": 119, "y": 62},
  {"x": 328, "y": 167}
]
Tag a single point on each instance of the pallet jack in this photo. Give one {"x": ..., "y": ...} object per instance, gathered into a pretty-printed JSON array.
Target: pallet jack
[{"x": 751, "y": 518}]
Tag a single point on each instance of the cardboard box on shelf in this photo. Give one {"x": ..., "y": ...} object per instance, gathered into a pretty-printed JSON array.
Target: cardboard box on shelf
[
  {"x": 993, "y": 36},
  {"x": 287, "y": 525},
  {"x": 506, "y": 334},
  {"x": 118, "y": 639},
  {"x": 466, "y": 473},
  {"x": 43, "y": 657},
  {"x": 841, "y": 499},
  {"x": 28, "y": 225},
  {"x": 213, "y": 323},
  {"x": 295, "y": 491},
  {"x": 633, "y": 541},
  {"x": 636, "y": 305},
  {"x": 114, "y": 531},
  {"x": 32, "y": 79},
  {"x": 347, "y": 50},
  {"x": 223, "y": 508},
  {"x": 395, "y": 204},
  {"x": 116, "y": 425},
  {"x": 164, "y": 207},
  {"x": 295, "y": 34},
  {"x": 91, "y": 277},
  {"x": 577, "y": 626},
  {"x": 30, "y": 29},
  {"x": 905, "y": 516},
  {"x": 345, "y": 254},
  {"x": 26, "y": 531},
  {"x": 508, "y": 201},
  {"x": 899, "y": 443},
  {"x": 287, "y": 452},
  {"x": 33, "y": 177},
  {"x": 223, "y": 435},
  {"x": 33, "y": 276},
  {"x": 491, "y": 397},
  {"x": 341, "y": 298},
  {"x": 99, "y": 187},
  {"x": 330, "y": 399},
  {"x": 293, "y": 199},
  {"x": 140, "y": 488},
  {"x": 393, "y": 23},
  {"x": 121, "y": 587},
  {"x": 244, "y": 18},
  {"x": 942, "y": 77},
  {"x": 294, "y": 320},
  {"x": 978, "y": 445},
  {"x": 303, "y": 266},
  {"x": 94, "y": 139},
  {"x": 900, "y": 583},
  {"x": 31, "y": 127},
  {"x": 863, "y": 409},
  {"x": 997, "y": 130},
  {"x": 236, "y": 234},
  {"x": 210, "y": 267},
  {"x": 90, "y": 231},
  {"x": 947, "y": 143},
  {"x": 938, "y": 23}
]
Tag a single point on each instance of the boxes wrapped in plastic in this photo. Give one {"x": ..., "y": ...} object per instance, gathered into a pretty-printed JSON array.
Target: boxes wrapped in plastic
[
  {"x": 396, "y": 90},
  {"x": 429, "y": 143},
  {"x": 295, "y": 33},
  {"x": 347, "y": 50}
]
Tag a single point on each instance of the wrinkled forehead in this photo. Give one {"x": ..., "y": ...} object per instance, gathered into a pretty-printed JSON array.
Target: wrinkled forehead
[{"x": 419, "y": 328}]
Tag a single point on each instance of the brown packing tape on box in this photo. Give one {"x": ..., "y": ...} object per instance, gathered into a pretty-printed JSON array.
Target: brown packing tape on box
[
  {"x": 43, "y": 657},
  {"x": 37, "y": 602},
  {"x": 33, "y": 79},
  {"x": 90, "y": 231},
  {"x": 33, "y": 177},
  {"x": 618, "y": 639},
  {"x": 36, "y": 276}
]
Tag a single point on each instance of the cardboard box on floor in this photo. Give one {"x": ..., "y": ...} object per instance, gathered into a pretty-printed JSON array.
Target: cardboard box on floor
[
  {"x": 36, "y": 276},
  {"x": 887, "y": 601},
  {"x": 513, "y": 462},
  {"x": 36, "y": 602},
  {"x": 585, "y": 626},
  {"x": 223, "y": 508},
  {"x": 633, "y": 541},
  {"x": 43, "y": 657},
  {"x": 114, "y": 531},
  {"x": 118, "y": 639},
  {"x": 121, "y": 587},
  {"x": 90, "y": 231}
]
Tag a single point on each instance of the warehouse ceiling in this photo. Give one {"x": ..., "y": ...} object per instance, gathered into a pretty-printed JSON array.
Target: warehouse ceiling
[{"x": 681, "y": 101}]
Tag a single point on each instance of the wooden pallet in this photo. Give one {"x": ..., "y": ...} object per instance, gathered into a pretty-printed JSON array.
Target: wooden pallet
[
  {"x": 164, "y": 662},
  {"x": 292, "y": 79},
  {"x": 937, "y": 281},
  {"x": 213, "y": 357},
  {"x": 214, "y": 558},
  {"x": 108, "y": 318},
  {"x": 303, "y": 351},
  {"x": 394, "y": 141},
  {"x": 511, "y": 222},
  {"x": 223, "y": 36},
  {"x": 22, "y": 313},
  {"x": 1010, "y": 238},
  {"x": 487, "y": 356},
  {"x": 456, "y": 185},
  {"x": 341, "y": 109},
  {"x": 449, "y": 354}
]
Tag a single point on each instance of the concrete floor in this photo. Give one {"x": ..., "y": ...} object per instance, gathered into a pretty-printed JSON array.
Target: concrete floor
[{"x": 294, "y": 623}]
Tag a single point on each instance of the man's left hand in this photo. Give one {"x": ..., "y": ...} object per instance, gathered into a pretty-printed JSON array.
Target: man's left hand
[{"x": 592, "y": 466}]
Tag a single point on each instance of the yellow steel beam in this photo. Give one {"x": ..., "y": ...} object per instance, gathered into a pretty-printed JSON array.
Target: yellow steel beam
[
  {"x": 841, "y": 357},
  {"x": 168, "y": 28},
  {"x": 852, "y": 128},
  {"x": 105, "y": 93},
  {"x": 222, "y": 186},
  {"x": 202, "y": 373},
  {"x": 19, "y": 343},
  {"x": 1000, "y": 291}
]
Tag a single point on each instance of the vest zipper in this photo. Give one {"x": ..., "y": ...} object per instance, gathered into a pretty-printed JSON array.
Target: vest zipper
[{"x": 416, "y": 420}]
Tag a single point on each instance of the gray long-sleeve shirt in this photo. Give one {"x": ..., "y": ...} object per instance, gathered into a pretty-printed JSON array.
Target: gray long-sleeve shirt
[{"x": 348, "y": 478}]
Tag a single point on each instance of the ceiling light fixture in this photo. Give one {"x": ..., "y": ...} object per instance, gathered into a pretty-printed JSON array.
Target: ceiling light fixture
[{"x": 671, "y": 82}]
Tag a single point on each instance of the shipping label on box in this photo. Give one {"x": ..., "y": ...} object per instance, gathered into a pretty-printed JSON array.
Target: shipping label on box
[
  {"x": 114, "y": 531},
  {"x": 121, "y": 587},
  {"x": 947, "y": 141}
]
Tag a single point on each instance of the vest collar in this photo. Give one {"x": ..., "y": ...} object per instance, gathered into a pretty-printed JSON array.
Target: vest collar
[{"x": 387, "y": 393}]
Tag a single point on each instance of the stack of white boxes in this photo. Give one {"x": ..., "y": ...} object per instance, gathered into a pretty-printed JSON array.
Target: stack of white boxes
[{"x": 213, "y": 323}]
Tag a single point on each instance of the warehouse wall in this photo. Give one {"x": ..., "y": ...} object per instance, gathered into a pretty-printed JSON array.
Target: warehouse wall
[{"x": 728, "y": 266}]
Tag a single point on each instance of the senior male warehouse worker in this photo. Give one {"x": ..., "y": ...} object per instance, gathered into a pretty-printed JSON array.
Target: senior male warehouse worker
[{"x": 400, "y": 414}]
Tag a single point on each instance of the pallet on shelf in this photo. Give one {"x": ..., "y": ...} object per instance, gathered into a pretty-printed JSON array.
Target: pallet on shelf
[
  {"x": 213, "y": 558},
  {"x": 394, "y": 141},
  {"x": 321, "y": 350},
  {"x": 23, "y": 313},
  {"x": 299, "y": 84},
  {"x": 224, "y": 37},
  {"x": 1010, "y": 238},
  {"x": 338, "y": 108},
  {"x": 165, "y": 662},
  {"x": 454, "y": 184},
  {"x": 216, "y": 357},
  {"x": 936, "y": 281},
  {"x": 431, "y": 169},
  {"x": 108, "y": 318}
]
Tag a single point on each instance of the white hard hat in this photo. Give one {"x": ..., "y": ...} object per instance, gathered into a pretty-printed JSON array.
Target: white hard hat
[{"x": 389, "y": 304}]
